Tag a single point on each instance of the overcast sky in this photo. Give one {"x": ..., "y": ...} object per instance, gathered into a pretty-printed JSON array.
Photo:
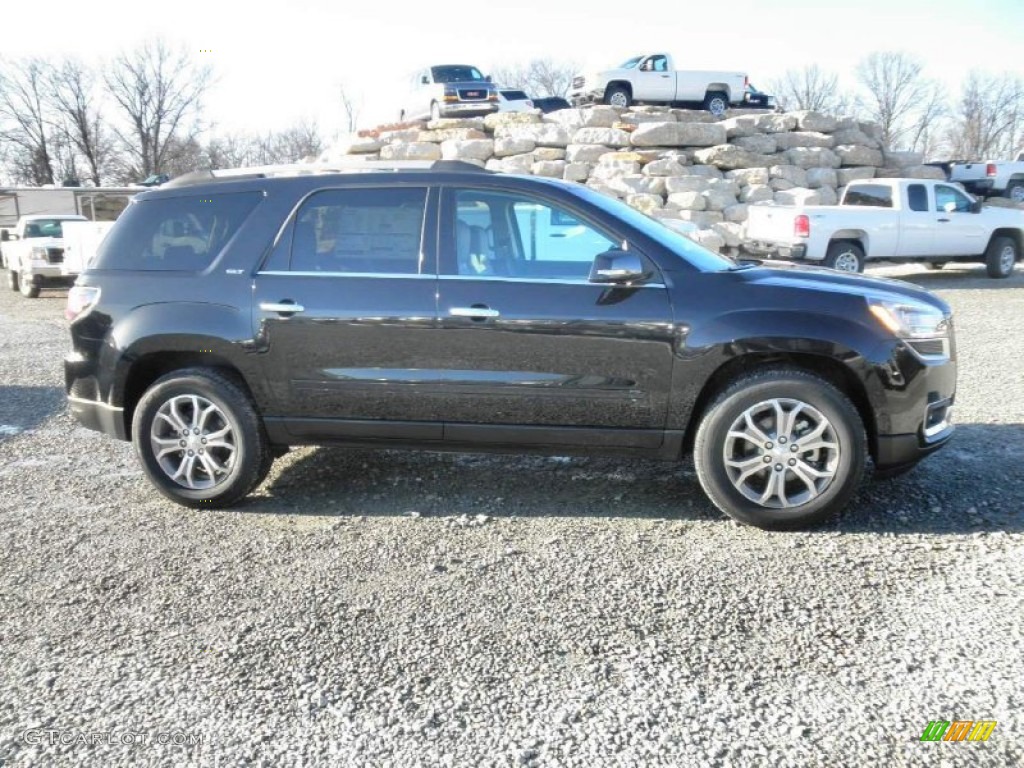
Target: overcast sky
[{"x": 276, "y": 63}]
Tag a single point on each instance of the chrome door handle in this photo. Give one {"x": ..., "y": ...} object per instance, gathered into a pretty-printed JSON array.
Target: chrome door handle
[
  {"x": 476, "y": 312},
  {"x": 943, "y": 221},
  {"x": 281, "y": 306}
]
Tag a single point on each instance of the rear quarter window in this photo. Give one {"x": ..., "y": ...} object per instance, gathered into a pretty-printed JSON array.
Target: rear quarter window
[
  {"x": 174, "y": 234},
  {"x": 869, "y": 195}
]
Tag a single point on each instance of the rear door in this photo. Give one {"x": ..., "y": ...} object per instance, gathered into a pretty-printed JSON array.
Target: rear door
[
  {"x": 529, "y": 348},
  {"x": 341, "y": 309},
  {"x": 917, "y": 222}
]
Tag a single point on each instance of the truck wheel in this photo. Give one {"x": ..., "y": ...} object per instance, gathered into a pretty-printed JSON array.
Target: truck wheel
[
  {"x": 199, "y": 438},
  {"x": 716, "y": 102},
  {"x": 844, "y": 256},
  {"x": 1000, "y": 257},
  {"x": 28, "y": 288},
  {"x": 1015, "y": 191},
  {"x": 780, "y": 449},
  {"x": 618, "y": 96}
]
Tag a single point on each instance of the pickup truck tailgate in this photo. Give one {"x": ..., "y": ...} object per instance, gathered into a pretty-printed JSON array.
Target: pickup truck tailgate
[{"x": 771, "y": 223}]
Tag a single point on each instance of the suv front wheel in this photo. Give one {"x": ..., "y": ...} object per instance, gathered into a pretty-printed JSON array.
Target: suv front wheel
[
  {"x": 780, "y": 449},
  {"x": 199, "y": 438}
]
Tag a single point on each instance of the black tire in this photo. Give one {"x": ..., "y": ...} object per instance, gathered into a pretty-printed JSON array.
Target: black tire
[
  {"x": 935, "y": 266},
  {"x": 716, "y": 102},
  {"x": 1015, "y": 191},
  {"x": 28, "y": 288},
  {"x": 1001, "y": 256},
  {"x": 12, "y": 280},
  {"x": 753, "y": 390},
  {"x": 618, "y": 93},
  {"x": 252, "y": 459},
  {"x": 845, "y": 256}
]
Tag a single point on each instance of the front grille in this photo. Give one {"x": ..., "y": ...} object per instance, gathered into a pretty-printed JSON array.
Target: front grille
[
  {"x": 577, "y": 83},
  {"x": 55, "y": 255},
  {"x": 473, "y": 94}
]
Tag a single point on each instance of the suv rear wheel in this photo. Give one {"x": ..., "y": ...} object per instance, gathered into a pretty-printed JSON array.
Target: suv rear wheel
[
  {"x": 780, "y": 449},
  {"x": 199, "y": 438}
]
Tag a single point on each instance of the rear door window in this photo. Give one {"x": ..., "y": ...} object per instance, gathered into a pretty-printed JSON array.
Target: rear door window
[
  {"x": 869, "y": 195},
  {"x": 174, "y": 234},
  {"x": 917, "y": 197}
]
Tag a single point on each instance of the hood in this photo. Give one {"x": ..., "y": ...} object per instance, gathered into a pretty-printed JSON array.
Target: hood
[
  {"x": 44, "y": 242},
  {"x": 783, "y": 274}
]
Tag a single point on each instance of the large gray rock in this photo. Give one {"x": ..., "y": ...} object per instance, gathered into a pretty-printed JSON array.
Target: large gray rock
[
  {"x": 610, "y": 137},
  {"x": 584, "y": 153},
  {"x": 786, "y": 141},
  {"x": 855, "y": 135},
  {"x": 611, "y": 168},
  {"x": 827, "y": 196},
  {"x": 736, "y": 213},
  {"x": 813, "y": 157},
  {"x": 874, "y": 130},
  {"x": 794, "y": 174},
  {"x": 798, "y": 196},
  {"x": 508, "y": 147},
  {"x": 638, "y": 118},
  {"x": 415, "y": 150},
  {"x": 542, "y": 154},
  {"x": 730, "y": 232},
  {"x": 456, "y": 124},
  {"x": 821, "y": 177},
  {"x": 475, "y": 149},
  {"x": 666, "y": 134},
  {"x": 845, "y": 175},
  {"x": 924, "y": 172},
  {"x": 638, "y": 184},
  {"x": 781, "y": 185},
  {"x": 542, "y": 134},
  {"x": 757, "y": 193},
  {"x": 400, "y": 134},
  {"x": 702, "y": 219},
  {"x": 760, "y": 143},
  {"x": 815, "y": 121},
  {"x": 577, "y": 171},
  {"x": 666, "y": 166},
  {"x": 644, "y": 202},
  {"x": 775, "y": 123},
  {"x": 718, "y": 199},
  {"x": 688, "y": 201},
  {"x": 551, "y": 168},
  {"x": 498, "y": 120},
  {"x": 895, "y": 159},
  {"x": 739, "y": 127},
  {"x": 747, "y": 176},
  {"x": 451, "y": 134},
  {"x": 709, "y": 239},
  {"x": 516, "y": 164},
  {"x": 687, "y": 184},
  {"x": 359, "y": 145},
  {"x": 853, "y": 155},
  {"x": 730, "y": 157},
  {"x": 708, "y": 171}
]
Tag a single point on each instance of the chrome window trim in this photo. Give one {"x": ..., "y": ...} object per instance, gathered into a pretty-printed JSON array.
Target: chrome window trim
[
  {"x": 316, "y": 273},
  {"x": 543, "y": 281}
]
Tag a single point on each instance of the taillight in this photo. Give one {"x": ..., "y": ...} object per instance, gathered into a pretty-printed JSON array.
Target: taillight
[
  {"x": 990, "y": 169},
  {"x": 802, "y": 226},
  {"x": 81, "y": 298}
]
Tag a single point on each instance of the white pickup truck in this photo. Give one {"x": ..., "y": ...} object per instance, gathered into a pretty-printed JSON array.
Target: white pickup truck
[
  {"x": 891, "y": 220},
  {"x": 990, "y": 179},
  {"x": 653, "y": 79},
  {"x": 34, "y": 253}
]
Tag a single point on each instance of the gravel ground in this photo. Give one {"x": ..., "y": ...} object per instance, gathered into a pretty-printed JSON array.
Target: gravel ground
[{"x": 382, "y": 608}]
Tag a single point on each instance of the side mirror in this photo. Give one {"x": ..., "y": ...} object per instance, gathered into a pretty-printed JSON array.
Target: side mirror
[
  {"x": 4, "y": 235},
  {"x": 424, "y": 80},
  {"x": 617, "y": 266},
  {"x": 976, "y": 206},
  {"x": 488, "y": 78}
]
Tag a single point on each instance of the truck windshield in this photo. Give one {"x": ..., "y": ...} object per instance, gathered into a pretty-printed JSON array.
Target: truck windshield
[
  {"x": 630, "y": 63},
  {"x": 43, "y": 228},
  {"x": 455, "y": 73}
]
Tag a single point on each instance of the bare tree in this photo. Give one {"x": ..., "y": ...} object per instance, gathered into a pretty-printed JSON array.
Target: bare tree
[
  {"x": 160, "y": 94},
  {"x": 293, "y": 144},
  {"x": 73, "y": 95},
  {"x": 352, "y": 108},
  {"x": 895, "y": 89},
  {"x": 539, "y": 77},
  {"x": 24, "y": 120},
  {"x": 809, "y": 88},
  {"x": 989, "y": 119}
]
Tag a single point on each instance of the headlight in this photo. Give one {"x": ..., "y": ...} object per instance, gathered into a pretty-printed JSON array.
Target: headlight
[
  {"x": 38, "y": 253},
  {"x": 910, "y": 320}
]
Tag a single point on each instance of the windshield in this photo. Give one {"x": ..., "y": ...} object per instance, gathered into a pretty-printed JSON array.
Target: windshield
[
  {"x": 697, "y": 255},
  {"x": 44, "y": 228},
  {"x": 455, "y": 73},
  {"x": 630, "y": 63}
]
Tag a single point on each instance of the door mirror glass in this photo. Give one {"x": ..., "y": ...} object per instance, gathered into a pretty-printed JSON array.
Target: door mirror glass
[
  {"x": 424, "y": 80},
  {"x": 617, "y": 266},
  {"x": 976, "y": 206},
  {"x": 4, "y": 235}
]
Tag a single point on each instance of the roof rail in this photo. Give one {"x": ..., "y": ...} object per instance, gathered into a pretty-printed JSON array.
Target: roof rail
[{"x": 348, "y": 165}]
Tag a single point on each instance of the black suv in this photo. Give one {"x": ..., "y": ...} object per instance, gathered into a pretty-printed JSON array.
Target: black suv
[{"x": 443, "y": 307}]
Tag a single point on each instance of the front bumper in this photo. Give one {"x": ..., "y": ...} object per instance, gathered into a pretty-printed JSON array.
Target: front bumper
[
  {"x": 468, "y": 109},
  {"x": 81, "y": 388},
  {"x": 778, "y": 251}
]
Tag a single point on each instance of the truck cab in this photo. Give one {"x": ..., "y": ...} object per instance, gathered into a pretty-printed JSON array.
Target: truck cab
[{"x": 34, "y": 253}]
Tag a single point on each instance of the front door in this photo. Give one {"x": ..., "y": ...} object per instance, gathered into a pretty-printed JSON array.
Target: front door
[
  {"x": 341, "y": 309},
  {"x": 527, "y": 341},
  {"x": 653, "y": 81},
  {"x": 960, "y": 232}
]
